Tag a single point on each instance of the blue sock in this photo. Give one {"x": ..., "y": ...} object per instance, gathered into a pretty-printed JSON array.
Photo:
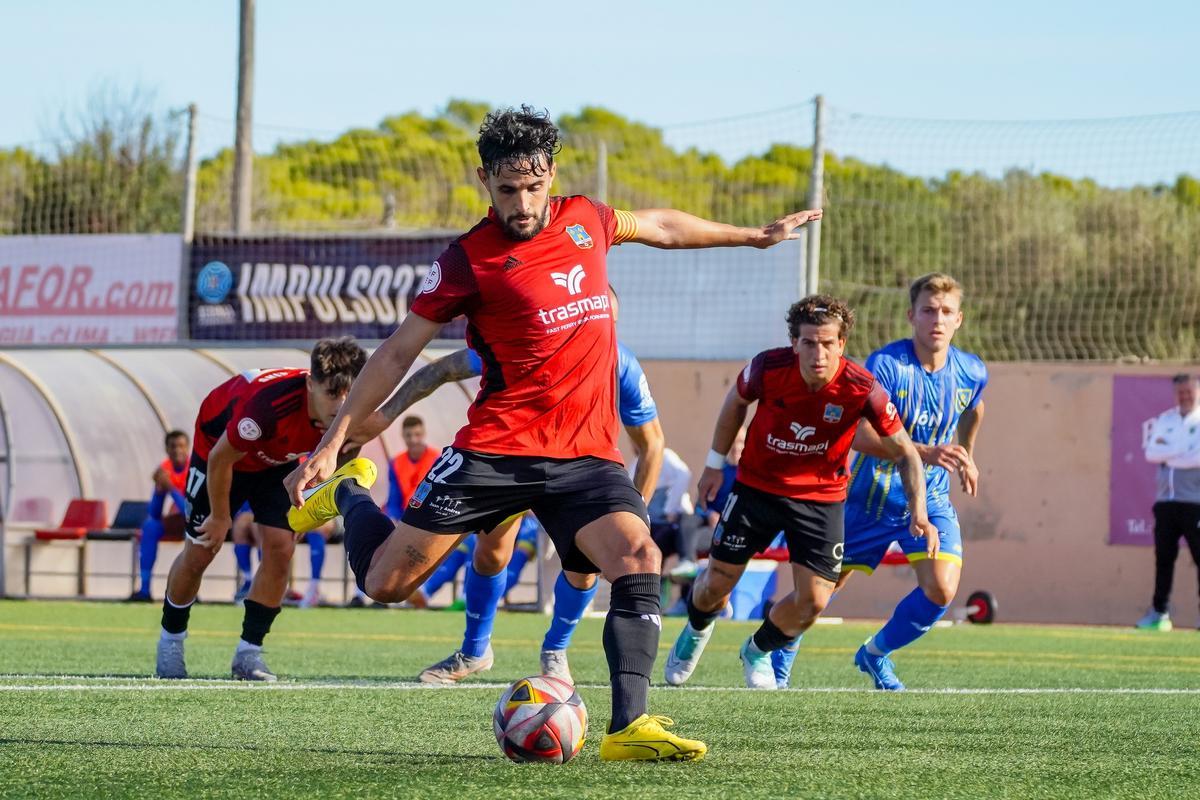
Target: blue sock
[
  {"x": 782, "y": 659},
  {"x": 152, "y": 532},
  {"x": 520, "y": 558},
  {"x": 241, "y": 554},
  {"x": 483, "y": 593},
  {"x": 569, "y": 605},
  {"x": 316, "y": 553},
  {"x": 914, "y": 615},
  {"x": 445, "y": 572}
]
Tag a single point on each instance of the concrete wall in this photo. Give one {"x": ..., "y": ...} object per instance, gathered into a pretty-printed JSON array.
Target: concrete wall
[{"x": 1036, "y": 535}]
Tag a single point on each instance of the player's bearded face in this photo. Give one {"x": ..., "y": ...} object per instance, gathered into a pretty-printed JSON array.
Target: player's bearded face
[
  {"x": 935, "y": 319},
  {"x": 521, "y": 197},
  {"x": 819, "y": 351}
]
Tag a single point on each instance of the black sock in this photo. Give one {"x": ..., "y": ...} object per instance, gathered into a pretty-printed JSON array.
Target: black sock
[
  {"x": 768, "y": 637},
  {"x": 631, "y": 632},
  {"x": 366, "y": 527},
  {"x": 174, "y": 618},
  {"x": 699, "y": 620},
  {"x": 257, "y": 622}
]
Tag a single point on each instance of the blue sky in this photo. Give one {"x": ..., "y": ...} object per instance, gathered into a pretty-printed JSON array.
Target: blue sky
[{"x": 326, "y": 66}]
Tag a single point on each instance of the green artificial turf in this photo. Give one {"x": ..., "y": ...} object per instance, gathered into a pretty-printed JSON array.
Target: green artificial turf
[{"x": 79, "y": 718}]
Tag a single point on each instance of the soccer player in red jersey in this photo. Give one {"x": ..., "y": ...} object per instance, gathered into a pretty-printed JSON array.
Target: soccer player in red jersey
[
  {"x": 792, "y": 477},
  {"x": 248, "y": 432},
  {"x": 169, "y": 481},
  {"x": 542, "y": 433}
]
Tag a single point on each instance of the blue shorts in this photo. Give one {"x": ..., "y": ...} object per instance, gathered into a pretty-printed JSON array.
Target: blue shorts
[{"x": 868, "y": 539}]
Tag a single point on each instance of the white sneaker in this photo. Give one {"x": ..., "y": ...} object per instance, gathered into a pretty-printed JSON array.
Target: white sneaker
[
  {"x": 685, "y": 655},
  {"x": 756, "y": 666},
  {"x": 554, "y": 664},
  {"x": 456, "y": 666},
  {"x": 312, "y": 598}
]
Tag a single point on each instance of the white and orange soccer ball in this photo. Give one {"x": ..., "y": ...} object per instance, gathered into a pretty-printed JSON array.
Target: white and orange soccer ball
[{"x": 540, "y": 719}]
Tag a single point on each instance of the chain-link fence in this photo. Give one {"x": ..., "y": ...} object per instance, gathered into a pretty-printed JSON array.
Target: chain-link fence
[{"x": 1075, "y": 240}]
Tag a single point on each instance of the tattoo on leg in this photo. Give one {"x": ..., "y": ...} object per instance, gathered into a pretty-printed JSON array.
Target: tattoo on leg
[
  {"x": 825, "y": 583},
  {"x": 415, "y": 557},
  {"x": 724, "y": 572}
]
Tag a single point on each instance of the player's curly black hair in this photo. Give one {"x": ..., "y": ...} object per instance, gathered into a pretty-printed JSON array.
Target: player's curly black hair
[
  {"x": 336, "y": 363},
  {"x": 525, "y": 141},
  {"x": 819, "y": 309}
]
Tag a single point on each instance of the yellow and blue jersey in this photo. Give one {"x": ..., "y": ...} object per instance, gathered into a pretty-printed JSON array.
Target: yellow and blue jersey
[{"x": 930, "y": 405}]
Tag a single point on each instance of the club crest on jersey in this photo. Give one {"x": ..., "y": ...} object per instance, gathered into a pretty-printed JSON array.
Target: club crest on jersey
[
  {"x": 580, "y": 237},
  {"x": 248, "y": 429},
  {"x": 962, "y": 399},
  {"x": 832, "y": 413},
  {"x": 420, "y": 494}
]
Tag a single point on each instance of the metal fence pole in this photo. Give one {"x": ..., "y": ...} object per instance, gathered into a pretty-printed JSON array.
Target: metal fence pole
[
  {"x": 816, "y": 196},
  {"x": 602, "y": 172},
  {"x": 189, "y": 225},
  {"x": 243, "y": 155}
]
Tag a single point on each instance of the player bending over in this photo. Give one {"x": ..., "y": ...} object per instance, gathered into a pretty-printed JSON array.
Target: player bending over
[
  {"x": 938, "y": 391},
  {"x": 791, "y": 478},
  {"x": 248, "y": 432},
  {"x": 532, "y": 280}
]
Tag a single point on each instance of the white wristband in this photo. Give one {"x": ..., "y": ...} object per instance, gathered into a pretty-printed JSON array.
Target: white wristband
[{"x": 714, "y": 460}]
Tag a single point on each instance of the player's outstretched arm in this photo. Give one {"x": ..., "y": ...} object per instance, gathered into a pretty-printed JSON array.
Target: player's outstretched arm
[
  {"x": 912, "y": 475},
  {"x": 458, "y": 366},
  {"x": 671, "y": 229},
  {"x": 953, "y": 457},
  {"x": 649, "y": 444},
  {"x": 729, "y": 420},
  {"x": 378, "y": 379}
]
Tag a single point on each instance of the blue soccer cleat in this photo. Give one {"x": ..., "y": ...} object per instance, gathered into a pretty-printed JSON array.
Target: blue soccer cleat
[
  {"x": 880, "y": 668},
  {"x": 781, "y": 662}
]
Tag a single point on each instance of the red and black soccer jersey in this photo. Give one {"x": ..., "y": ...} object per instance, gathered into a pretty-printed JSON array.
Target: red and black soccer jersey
[
  {"x": 265, "y": 415},
  {"x": 539, "y": 316},
  {"x": 797, "y": 443}
]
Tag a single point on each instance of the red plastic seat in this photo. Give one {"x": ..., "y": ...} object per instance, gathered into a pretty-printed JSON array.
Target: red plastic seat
[{"x": 82, "y": 516}]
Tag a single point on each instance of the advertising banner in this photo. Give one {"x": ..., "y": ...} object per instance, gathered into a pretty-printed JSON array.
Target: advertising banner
[
  {"x": 1136, "y": 398},
  {"x": 89, "y": 289},
  {"x": 291, "y": 287}
]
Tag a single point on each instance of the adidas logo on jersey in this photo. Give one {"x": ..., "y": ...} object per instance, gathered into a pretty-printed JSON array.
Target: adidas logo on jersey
[{"x": 572, "y": 282}]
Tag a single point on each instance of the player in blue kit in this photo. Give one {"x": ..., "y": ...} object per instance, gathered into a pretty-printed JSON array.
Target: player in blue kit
[
  {"x": 487, "y": 579},
  {"x": 938, "y": 391}
]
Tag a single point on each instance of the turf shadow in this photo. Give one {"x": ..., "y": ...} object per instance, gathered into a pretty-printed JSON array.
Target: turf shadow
[{"x": 425, "y": 758}]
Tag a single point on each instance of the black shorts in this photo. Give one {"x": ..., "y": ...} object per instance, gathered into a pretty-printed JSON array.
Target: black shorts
[
  {"x": 751, "y": 519},
  {"x": 262, "y": 490},
  {"x": 468, "y": 491}
]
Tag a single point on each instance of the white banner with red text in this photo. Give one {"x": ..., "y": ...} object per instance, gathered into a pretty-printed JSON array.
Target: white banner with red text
[{"x": 89, "y": 289}]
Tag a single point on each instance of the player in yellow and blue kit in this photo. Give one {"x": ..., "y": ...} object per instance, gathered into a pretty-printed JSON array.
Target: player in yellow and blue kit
[{"x": 938, "y": 390}]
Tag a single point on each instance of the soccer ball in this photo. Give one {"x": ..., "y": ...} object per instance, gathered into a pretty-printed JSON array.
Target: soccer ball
[{"x": 540, "y": 719}]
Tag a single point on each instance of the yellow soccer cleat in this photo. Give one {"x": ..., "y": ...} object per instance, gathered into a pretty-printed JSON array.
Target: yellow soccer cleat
[
  {"x": 319, "y": 506},
  {"x": 646, "y": 739}
]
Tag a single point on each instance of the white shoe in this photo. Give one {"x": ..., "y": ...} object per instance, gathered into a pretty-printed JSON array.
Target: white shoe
[
  {"x": 554, "y": 664},
  {"x": 312, "y": 598},
  {"x": 456, "y": 666},
  {"x": 756, "y": 666},
  {"x": 685, "y": 655}
]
